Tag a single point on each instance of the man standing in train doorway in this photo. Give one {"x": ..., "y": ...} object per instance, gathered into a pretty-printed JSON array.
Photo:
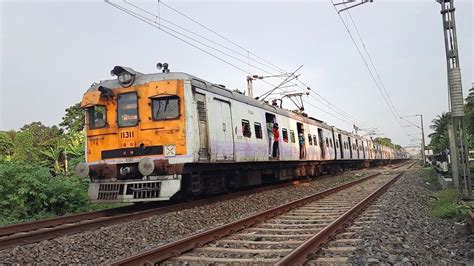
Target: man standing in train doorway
[
  {"x": 276, "y": 138},
  {"x": 270, "y": 138},
  {"x": 302, "y": 147}
]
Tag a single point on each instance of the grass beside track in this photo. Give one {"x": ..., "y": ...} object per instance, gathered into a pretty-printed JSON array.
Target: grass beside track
[{"x": 446, "y": 204}]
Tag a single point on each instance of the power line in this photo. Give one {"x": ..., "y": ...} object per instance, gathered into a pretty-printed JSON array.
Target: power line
[
  {"x": 157, "y": 16},
  {"x": 372, "y": 63},
  {"x": 334, "y": 107},
  {"x": 394, "y": 113},
  {"x": 157, "y": 24},
  {"x": 220, "y": 35}
]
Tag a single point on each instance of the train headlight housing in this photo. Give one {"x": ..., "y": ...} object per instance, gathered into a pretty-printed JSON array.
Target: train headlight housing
[
  {"x": 125, "y": 75},
  {"x": 146, "y": 166},
  {"x": 82, "y": 170},
  {"x": 125, "y": 79}
]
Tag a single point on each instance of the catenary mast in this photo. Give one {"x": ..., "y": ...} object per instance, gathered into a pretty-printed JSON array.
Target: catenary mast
[{"x": 459, "y": 149}]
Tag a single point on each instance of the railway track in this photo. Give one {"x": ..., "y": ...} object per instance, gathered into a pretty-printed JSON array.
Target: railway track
[
  {"x": 35, "y": 231},
  {"x": 30, "y": 232},
  {"x": 284, "y": 235}
]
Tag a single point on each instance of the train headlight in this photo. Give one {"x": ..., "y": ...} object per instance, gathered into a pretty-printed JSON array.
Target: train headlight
[
  {"x": 146, "y": 166},
  {"x": 82, "y": 170},
  {"x": 125, "y": 79},
  {"x": 125, "y": 75}
]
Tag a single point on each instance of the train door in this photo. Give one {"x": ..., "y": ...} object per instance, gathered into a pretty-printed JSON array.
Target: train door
[
  {"x": 350, "y": 147},
  {"x": 223, "y": 145},
  {"x": 342, "y": 146},
  {"x": 357, "y": 149},
  {"x": 270, "y": 121},
  {"x": 301, "y": 140},
  {"x": 321, "y": 143},
  {"x": 363, "y": 150},
  {"x": 202, "y": 127}
]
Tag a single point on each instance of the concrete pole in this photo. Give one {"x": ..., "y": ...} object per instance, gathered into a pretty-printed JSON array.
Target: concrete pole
[{"x": 423, "y": 155}]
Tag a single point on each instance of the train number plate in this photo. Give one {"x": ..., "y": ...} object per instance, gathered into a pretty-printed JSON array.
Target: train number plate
[{"x": 127, "y": 135}]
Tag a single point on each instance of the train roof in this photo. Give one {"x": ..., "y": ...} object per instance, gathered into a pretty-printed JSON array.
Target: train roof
[{"x": 219, "y": 90}]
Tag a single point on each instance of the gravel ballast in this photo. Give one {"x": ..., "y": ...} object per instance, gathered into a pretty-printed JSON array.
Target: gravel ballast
[
  {"x": 404, "y": 232},
  {"x": 109, "y": 243}
]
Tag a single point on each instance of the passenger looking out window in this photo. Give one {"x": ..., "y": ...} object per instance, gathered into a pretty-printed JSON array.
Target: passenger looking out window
[
  {"x": 284, "y": 132},
  {"x": 97, "y": 116},
  {"x": 246, "y": 128}
]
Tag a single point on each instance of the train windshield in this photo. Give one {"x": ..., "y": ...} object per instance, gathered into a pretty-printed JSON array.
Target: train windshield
[
  {"x": 97, "y": 116},
  {"x": 165, "y": 108},
  {"x": 127, "y": 110}
]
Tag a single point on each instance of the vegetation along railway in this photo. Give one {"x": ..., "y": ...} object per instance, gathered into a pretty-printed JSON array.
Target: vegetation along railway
[{"x": 154, "y": 137}]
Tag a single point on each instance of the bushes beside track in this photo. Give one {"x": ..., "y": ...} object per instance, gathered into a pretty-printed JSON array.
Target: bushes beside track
[{"x": 30, "y": 192}]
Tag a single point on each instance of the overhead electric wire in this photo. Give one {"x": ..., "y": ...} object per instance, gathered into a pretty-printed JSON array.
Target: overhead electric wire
[
  {"x": 372, "y": 63},
  {"x": 394, "y": 113},
  {"x": 335, "y": 108},
  {"x": 221, "y": 36},
  {"x": 157, "y": 16},
  {"x": 174, "y": 34}
]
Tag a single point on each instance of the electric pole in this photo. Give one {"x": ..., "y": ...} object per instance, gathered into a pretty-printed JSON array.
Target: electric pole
[
  {"x": 421, "y": 127},
  {"x": 457, "y": 131},
  {"x": 423, "y": 155}
]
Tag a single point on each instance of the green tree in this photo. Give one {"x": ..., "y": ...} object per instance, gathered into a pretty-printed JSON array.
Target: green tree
[
  {"x": 469, "y": 118},
  {"x": 74, "y": 119},
  {"x": 384, "y": 141},
  {"x": 439, "y": 138},
  {"x": 43, "y": 138},
  {"x": 6, "y": 146},
  {"x": 23, "y": 149}
]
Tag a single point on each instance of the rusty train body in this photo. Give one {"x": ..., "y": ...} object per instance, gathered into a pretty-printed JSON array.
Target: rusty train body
[{"x": 151, "y": 137}]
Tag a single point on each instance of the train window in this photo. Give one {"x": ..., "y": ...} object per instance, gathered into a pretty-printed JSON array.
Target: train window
[
  {"x": 327, "y": 142},
  {"x": 315, "y": 140},
  {"x": 337, "y": 144},
  {"x": 285, "y": 134},
  {"x": 292, "y": 136},
  {"x": 330, "y": 142},
  {"x": 97, "y": 116},
  {"x": 246, "y": 128},
  {"x": 258, "y": 130},
  {"x": 127, "y": 108},
  {"x": 310, "y": 139},
  {"x": 165, "y": 108}
]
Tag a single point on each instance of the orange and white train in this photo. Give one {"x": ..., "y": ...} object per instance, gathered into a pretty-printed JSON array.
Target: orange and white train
[{"x": 152, "y": 137}]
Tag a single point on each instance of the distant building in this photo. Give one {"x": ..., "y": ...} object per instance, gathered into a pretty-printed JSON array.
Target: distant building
[{"x": 414, "y": 152}]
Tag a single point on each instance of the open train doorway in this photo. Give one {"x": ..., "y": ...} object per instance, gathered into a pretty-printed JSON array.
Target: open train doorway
[
  {"x": 270, "y": 122},
  {"x": 340, "y": 145},
  {"x": 321, "y": 143},
  {"x": 350, "y": 147},
  {"x": 301, "y": 140}
]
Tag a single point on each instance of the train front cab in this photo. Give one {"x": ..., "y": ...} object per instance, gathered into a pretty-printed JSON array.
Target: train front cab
[{"x": 136, "y": 140}]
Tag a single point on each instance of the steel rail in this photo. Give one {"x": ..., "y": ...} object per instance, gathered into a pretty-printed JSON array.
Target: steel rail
[
  {"x": 34, "y": 231},
  {"x": 299, "y": 255},
  {"x": 166, "y": 251}
]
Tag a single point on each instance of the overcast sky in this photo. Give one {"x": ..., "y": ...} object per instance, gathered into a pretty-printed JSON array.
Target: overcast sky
[{"x": 52, "y": 51}]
